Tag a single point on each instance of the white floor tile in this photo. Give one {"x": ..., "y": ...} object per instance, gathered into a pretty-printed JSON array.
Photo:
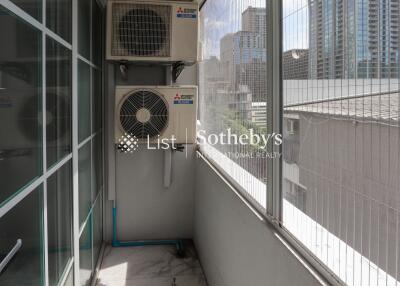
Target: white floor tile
[{"x": 150, "y": 266}]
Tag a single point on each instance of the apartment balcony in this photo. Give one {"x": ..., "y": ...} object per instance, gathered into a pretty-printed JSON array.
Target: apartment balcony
[{"x": 143, "y": 144}]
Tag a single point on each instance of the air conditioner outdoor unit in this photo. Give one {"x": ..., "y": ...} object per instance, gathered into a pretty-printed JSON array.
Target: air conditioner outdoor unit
[
  {"x": 153, "y": 113},
  {"x": 161, "y": 31}
]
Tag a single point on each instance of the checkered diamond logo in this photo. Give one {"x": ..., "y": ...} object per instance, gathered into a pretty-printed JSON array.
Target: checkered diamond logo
[{"x": 128, "y": 143}]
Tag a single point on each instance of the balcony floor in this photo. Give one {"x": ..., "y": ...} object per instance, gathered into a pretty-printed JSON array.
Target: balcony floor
[{"x": 150, "y": 266}]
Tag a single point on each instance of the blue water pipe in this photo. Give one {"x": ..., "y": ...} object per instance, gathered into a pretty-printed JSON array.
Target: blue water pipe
[{"x": 116, "y": 243}]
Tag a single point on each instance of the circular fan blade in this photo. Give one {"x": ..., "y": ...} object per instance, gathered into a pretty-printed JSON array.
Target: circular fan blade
[
  {"x": 159, "y": 122},
  {"x": 128, "y": 109},
  {"x": 144, "y": 113}
]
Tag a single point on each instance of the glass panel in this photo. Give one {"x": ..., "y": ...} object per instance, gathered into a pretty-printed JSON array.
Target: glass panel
[
  {"x": 58, "y": 17},
  {"x": 97, "y": 165},
  {"x": 341, "y": 135},
  {"x": 233, "y": 92},
  {"x": 97, "y": 229},
  {"x": 23, "y": 222},
  {"x": 97, "y": 33},
  {"x": 84, "y": 20},
  {"x": 85, "y": 254},
  {"x": 97, "y": 99},
  {"x": 20, "y": 104},
  {"x": 32, "y": 7},
  {"x": 84, "y": 159},
  {"x": 59, "y": 216},
  {"x": 58, "y": 101},
  {"x": 83, "y": 101}
]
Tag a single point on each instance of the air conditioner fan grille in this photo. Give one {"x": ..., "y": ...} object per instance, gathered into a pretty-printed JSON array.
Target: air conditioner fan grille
[
  {"x": 141, "y": 30},
  {"x": 144, "y": 113}
]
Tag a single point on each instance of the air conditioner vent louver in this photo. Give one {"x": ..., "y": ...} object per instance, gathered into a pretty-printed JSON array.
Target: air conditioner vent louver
[
  {"x": 141, "y": 30},
  {"x": 144, "y": 113}
]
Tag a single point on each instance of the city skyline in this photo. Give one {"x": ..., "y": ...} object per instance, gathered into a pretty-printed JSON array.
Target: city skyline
[{"x": 366, "y": 45}]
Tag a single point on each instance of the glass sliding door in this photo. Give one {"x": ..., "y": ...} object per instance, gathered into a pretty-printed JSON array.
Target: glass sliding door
[{"x": 51, "y": 141}]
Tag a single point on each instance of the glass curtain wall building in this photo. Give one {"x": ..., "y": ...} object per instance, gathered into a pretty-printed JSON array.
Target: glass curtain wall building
[
  {"x": 354, "y": 39},
  {"x": 51, "y": 165}
]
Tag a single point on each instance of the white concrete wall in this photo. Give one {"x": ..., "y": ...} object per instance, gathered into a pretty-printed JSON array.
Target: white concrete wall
[
  {"x": 235, "y": 247},
  {"x": 145, "y": 209}
]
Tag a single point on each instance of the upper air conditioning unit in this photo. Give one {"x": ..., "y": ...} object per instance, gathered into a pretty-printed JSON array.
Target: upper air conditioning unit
[
  {"x": 153, "y": 113},
  {"x": 152, "y": 31}
]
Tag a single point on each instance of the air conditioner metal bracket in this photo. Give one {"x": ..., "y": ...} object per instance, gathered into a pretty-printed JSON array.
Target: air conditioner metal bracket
[
  {"x": 123, "y": 68},
  {"x": 177, "y": 69}
]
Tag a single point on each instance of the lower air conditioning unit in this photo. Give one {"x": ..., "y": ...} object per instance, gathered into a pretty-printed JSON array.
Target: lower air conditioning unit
[{"x": 153, "y": 113}]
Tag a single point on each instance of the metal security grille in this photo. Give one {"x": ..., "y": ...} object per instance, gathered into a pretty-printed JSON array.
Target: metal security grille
[
  {"x": 341, "y": 159},
  {"x": 143, "y": 114},
  {"x": 141, "y": 30},
  {"x": 233, "y": 91}
]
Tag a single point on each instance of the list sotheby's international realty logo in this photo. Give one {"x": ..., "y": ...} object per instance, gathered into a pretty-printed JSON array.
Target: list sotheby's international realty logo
[{"x": 129, "y": 143}]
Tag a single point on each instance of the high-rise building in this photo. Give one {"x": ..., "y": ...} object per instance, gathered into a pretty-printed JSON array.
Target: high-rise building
[
  {"x": 295, "y": 64},
  {"x": 259, "y": 113},
  {"x": 254, "y": 20},
  {"x": 354, "y": 39},
  {"x": 243, "y": 54},
  {"x": 243, "y": 60}
]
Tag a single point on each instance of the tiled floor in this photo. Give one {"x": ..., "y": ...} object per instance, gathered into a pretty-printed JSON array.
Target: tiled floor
[{"x": 150, "y": 266}]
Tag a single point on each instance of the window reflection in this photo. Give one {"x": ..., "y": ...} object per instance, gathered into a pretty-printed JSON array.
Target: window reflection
[
  {"x": 97, "y": 165},
  {"x": 96, "y": 100},
  {"x": 58, "y": 101},
  {"x": 23, "y": 222},
  {"x": 97, "y": 33},
  {"x": 59, "y": 215},
  {"x": 32, "y": 7},
  {"x": 20, "y": 104},
  {"x": 84, "y": 28},
  {"x": 84, "y": 127},
  {"x": 84, "y": 156},
  {"x": 58, "y": 17}
]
